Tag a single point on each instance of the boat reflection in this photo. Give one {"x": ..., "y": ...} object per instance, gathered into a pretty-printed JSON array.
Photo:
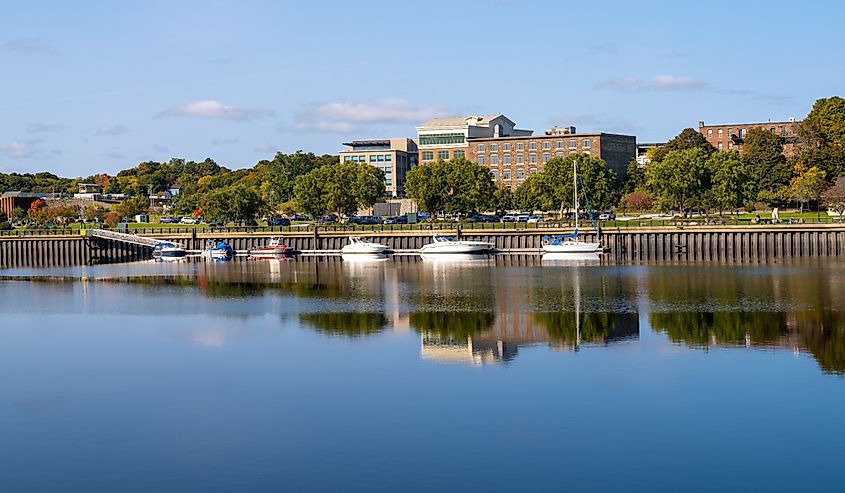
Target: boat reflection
[
  {"x": 364, "y": 258},
  {"x": 456, "y": 258},
  {"x": 571, "y": 259}
]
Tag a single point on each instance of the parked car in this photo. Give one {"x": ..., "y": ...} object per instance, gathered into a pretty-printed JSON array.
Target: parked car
[
  {"x": 328, "y": 219},
  {"x": 189, "y": 220},
  {"x": 168, "y": 220},
  {"x": 483, "y": 218},
  {"x": 509, "y": 218},
  {"x": 523, "y": 217},
  {"x": 607, "y": 216},
  {"x": 300, "y": 217},
  {"x": 278, "y": 221},
  {"x": 534, "y": 219}
]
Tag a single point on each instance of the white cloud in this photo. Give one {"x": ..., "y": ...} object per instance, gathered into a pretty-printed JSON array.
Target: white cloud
[
  {"x": 28, "y": 47},
  {"x": 17, "y": 150},
  {"x": 347, "y": 116},
  {"x": 215, "y": 109},
  {"x": 676, "y": 83},
  {"x": 40, "y": 128},
  {"x": 111, "y": 130},
  {"x": 264, "y": 148}
]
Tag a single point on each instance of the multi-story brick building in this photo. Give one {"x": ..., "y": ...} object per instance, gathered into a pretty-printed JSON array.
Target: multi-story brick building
[
  {"x": 513, "y": 159},
  {"x": 732, "y": 136},
  {"x": 446, "y": 138},
  {"x": 393, "y": 156}
]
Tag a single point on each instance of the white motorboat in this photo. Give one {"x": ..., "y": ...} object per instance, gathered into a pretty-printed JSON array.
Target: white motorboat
[
  {"x": 447, "y": 244},
  {"x": 218, "y": 251},
  {"x": 169, "y": 251},
  {"x": 358, "y": 246},
  {"x": 570, "y": 243}
]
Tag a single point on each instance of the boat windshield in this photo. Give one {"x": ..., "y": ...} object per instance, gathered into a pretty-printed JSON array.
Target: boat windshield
[{"x": 443, "y": 238}]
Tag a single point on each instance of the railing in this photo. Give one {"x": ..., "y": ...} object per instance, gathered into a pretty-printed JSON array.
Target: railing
[{"x": 435, "y": 226}]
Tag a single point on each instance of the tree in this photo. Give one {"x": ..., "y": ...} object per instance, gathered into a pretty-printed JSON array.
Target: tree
[
  {"x": 552, "y": 188},
  {"x": 822, "y": 136},
  {"x": 239, "y": 203},
  {"x": 4, "y": 221},
  {"x": 35, "y": 207},
  {"x": 140, "y": 204},
  {"x": 343, "y": 188},
  {"x": 688, "y": 139},
  {"x": 634, "y": 176},
  {"x": 18, "y": 214},
  {"x": 457, "y": 186},
  {"x": 503, "y": 199},
  {"x": 733, "y": 181},
  {"x": 681, "y": 176},
  {"x": 834, "y": 197},
  {"x": 807, "y": 184},
  {"x": 762, "y": 153},
  {"x": 637, "y": 200},
  {"x": 111, "y": 219}
]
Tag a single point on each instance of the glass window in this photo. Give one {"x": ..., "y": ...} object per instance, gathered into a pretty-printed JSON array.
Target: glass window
[
  {"x": 547, "y": 145},
  {"x": 520, "y": 158},
  {"x": 494, "y": 159},
  {"x": 506, "y": 147},
  {"x": 362, "y": 159},
  {"x": 720, "y": 133},
  {"x": 388, "y": 157},
  {"x": 495, "y": 173},
  {"x": 506, "y": 174},
  {"x": 573, "y": 144},
  {"x": 532, "y": 158},
  {"x": 710, "y": 132},
  {"x": 444, "y": 155},
  {"x": 428, "y": 155},
  {"x": 558, "y": 154},
  {"x": 586, "y": 143},
  {"x": 506, "y": 159},
  {"x": 532, "y": 171},
  {"x": 546, "y": 157},
  {"x": 520, "y": 146},
  {"x": 494, "y": 147},
  {"x": 720, "y": 146},
  {"x": 730, "y": 145},
  {"x": 373, "y": 158},
  {"x": 388, "y": 182},
  {"x": 730, "y": 132},
  {"x": 459, "y": 153},
  {"x": 532, "y": 146},
  {"x": 381, "y": 158},
  {"x": 742, "y": 133},
  {"x": 480, "y": 148},
  {"x": 559, "y": 144},
  {"x": 480, "y": 159},
  {"x": 520, "y": 173},
  {"x": 442, "y": 139}
]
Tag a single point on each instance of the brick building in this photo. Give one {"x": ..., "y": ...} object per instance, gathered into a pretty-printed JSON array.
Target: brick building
[
  {"x": 513, "y": 159},
  {"x": 732, "y": 136},
  {"x": 446, "y": 138},
  {"x": 9, "y": 201},
  {"x": 393, "y": 156}
]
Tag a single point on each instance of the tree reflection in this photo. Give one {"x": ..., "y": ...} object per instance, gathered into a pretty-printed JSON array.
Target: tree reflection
[
  {"x": 595, "y": 327},
  {"x": 348, "y": 324},
  {"x": 456, "y": 325}
]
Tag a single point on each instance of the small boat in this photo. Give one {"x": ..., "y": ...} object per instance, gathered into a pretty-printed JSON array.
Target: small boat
[
  {"x": 168, "y": 251},
  {"x": 358, "y": 246},
  {"x": 570, "y": 243},
  {"x": 447, "y": 244},
  {"x": 274, "y": 248},
  {"x": 218, "y": 250}
]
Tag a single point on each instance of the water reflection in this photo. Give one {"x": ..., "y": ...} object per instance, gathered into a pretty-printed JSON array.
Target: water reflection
[
  {"x": 571, "y": 259},
  {"x": 486, "y": 313}
]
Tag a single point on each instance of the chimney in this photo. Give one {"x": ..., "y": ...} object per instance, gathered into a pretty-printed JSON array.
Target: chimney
[
  {"x": 700, "y": 123},
  {"x": 791, "y": 119}
]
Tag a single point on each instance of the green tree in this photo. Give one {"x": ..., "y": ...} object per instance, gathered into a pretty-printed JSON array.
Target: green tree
[
  {"x": 343, "y": 188},
  {"x": 680, "y": 177},
  {"x": 4, "y": 221},
  {"x": 634, "y": 177},
  {"x": 807, "y": 185},
  {"x": 822, "y": 136},
  {"x": 733, "y": 181},
  {"x": 457, "y": 186},
  {"x": 236, "y": 203},
  {"x": 503, "y": 199},
  {"x": 140, "y": 204},
  {"x": 688, "y": 139},
  {"x": 18, "y": 214},
  {"x": 552, "y": 188},
  {"x": 762, "y": 153}
]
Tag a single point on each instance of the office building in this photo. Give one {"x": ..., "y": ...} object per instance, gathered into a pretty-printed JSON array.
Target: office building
[
  {"x": 447, "y": 138},
  {"x": 393, "y": 156}
]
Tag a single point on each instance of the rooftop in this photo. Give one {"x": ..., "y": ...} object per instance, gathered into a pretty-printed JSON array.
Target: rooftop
[
  {"x": 30, "y": 195},
  {"x": 461, "y": 120}
]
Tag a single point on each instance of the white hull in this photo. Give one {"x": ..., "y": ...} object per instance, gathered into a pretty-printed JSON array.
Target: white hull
[
  {"x": 452, "y": 247},
  {"x": 364, "y": 258},
  {"x": 363, "y": 249},
  {"x": 573, "y": 247},
  {"x": 215, "y": 255},
  {"x": 458, "y": 258},
  {"x": 267, "y": 251},
  {"x": 170, "y": 253},
  {"x": 571, "y": 259}
]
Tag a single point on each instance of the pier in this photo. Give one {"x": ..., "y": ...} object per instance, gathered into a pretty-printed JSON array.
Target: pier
[{"x": 757, "y": 243}]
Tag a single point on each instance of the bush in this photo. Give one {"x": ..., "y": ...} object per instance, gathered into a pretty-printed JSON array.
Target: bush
[{"x": 111, "y": 219}]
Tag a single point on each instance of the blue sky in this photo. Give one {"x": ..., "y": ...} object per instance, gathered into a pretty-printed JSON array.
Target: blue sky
[{"x": 94, "y": 86}]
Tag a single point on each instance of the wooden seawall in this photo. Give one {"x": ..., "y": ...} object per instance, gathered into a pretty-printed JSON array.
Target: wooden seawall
[{"x": 756, "y": 243}]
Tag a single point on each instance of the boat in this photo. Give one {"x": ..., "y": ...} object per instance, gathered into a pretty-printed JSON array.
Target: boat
[
  {"x": 169, "y": 251},
  {"x": 571, "y": 243},
  {"x": 218, "y": 250},
  {"x": 447, "y": 244},
  {"x": 358, "y": 246},
  {"x": 274, "y": 248}
]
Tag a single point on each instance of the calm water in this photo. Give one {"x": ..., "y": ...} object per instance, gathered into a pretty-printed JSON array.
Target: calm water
[{"x": 404, "y": 375}]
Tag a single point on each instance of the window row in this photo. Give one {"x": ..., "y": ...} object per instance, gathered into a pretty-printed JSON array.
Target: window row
[
  {"x": 444, "y": 155},
  {"x": 506, "y": 173},
  {"x": 442, "y": 139},
  {"x": 493, "y": 159},
  {"x": 520, "y": 146}
]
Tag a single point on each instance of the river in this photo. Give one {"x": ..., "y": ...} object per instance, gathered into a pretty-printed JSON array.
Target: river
[{"x": 504, "y": 374}]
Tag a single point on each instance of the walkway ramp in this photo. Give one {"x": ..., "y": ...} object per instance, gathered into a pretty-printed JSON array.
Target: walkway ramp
[{"x": 122, "y": 237}]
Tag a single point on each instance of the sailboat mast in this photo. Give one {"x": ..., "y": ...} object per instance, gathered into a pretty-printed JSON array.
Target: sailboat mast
[{"x": 575, "y": 191}]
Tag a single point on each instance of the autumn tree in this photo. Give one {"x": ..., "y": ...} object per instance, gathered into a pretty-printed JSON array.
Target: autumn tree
[
  {"x": 637, "y": 200},
  {"x": 807, "y": 185},
  {"x": 834, "y": 197}
]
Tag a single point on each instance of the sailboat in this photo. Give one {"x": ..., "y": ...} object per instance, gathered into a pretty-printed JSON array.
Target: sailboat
[{"x": 570, "y": 243}]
